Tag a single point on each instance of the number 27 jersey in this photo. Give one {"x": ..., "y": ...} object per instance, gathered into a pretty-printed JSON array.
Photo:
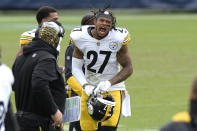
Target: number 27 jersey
[{"x": 100, "y": 56}]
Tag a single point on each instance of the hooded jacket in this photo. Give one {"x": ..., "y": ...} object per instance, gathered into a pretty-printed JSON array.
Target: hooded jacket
[
  {"x": 183, "y": 121},
  {"x": 39, "y": 86}
]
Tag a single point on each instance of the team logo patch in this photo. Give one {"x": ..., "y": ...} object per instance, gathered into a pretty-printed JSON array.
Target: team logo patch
[
  {"x": 98, "y": 43},
  {"x": 90, "y": 109},
  {"x": 68, "y": 58},
  {"x": 113, "y": 46},
  {"x": 34, "y": 55}
]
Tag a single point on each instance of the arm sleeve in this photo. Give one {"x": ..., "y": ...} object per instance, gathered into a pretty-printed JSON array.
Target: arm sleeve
[
  {"x": 77, "y": 71},
  {"x": 45, "y": 72},
  {"x": 70, "y": 79}
]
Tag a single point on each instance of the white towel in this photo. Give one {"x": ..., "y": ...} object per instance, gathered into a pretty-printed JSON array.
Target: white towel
[{"x": 126, "y": 108}]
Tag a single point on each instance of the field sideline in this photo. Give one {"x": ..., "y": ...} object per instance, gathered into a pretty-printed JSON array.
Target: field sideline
[{"x": 163, "y": 52}]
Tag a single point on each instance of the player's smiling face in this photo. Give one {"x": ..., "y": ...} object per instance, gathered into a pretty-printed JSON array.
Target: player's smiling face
[{"x": 103, "y": 26}]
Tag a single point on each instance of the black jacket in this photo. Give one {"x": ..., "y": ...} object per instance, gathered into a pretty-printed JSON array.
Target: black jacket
[
  {"x": 184, "y": 121},
  {"x": 39, "y": 86}
]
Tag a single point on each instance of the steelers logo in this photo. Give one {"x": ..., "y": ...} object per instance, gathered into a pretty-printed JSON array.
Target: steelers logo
[
  {"x": 113, "y": 46},
  {"x": 90, "y": 109}
]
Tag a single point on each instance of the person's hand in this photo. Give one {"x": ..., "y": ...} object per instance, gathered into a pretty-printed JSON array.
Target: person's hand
[
  {"x": 102, "y": 87},
  {"x": 61, "y": 68},
  {"x": 88, "y": 89},
  {"x": 57, "y": 118}
]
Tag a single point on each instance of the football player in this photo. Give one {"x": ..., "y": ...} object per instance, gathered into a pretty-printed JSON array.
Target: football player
[
  {"x": 102, "y": 49},
  {"x": 74, "y": 87},
  {"x": 7, "y": 120},
  {"x": 45, "y": 13}
]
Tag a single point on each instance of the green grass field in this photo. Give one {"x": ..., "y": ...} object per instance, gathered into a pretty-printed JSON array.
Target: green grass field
[{"x": 163, "y": 52}]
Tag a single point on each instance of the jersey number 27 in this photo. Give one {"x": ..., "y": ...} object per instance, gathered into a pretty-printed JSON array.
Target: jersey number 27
[{"x": 94, "y": 60}]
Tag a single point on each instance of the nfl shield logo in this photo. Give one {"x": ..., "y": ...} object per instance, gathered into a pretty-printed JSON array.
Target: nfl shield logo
[{"x": 98, "y": 43}]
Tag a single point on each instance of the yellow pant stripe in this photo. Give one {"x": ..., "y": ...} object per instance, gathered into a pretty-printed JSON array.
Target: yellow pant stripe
[
  {"x": 40, "y": 128},
  {"x": 76, "y": 87},
  {"x": 69, "y": 92}
]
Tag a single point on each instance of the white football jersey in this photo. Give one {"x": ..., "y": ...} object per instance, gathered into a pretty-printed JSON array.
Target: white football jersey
[
  {"x": 6, "y": 81},
  {"x": 27, "y": 37},
  {"x": 100, "y": 56}
]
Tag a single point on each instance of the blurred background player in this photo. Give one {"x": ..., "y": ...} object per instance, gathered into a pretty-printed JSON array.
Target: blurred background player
[
  {"x": 7, "y": 119},
  {"x": 39, "y": 86},
  {"x": 102, "y": 49},
  {"x": 74, "y": 88},
  {"x": 45, "y": 13},
  {"x": 185, "y": 121}
]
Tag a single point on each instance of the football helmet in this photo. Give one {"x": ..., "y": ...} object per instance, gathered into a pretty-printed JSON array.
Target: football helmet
[{"x": 101, "y": 107}]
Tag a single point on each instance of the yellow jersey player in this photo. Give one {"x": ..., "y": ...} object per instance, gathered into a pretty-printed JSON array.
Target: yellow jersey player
[
  {"x": 45, "y": 13},
  {"x": 102, "y": 49}
]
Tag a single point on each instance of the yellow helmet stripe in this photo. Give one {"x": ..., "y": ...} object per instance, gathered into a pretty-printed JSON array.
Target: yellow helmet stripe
[{"x": 106, "y": 113}]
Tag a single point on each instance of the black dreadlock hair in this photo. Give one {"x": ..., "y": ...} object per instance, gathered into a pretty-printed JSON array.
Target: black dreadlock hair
[
  {"x": 87, "y": 20},
  {"x": 101, "y": 12}
]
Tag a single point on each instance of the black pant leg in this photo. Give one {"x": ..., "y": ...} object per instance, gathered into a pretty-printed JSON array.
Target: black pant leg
[
  {"x": 32, "y": 122},
  {"x": 75, "y": 125},
  {"x": 26, "y": 124}
]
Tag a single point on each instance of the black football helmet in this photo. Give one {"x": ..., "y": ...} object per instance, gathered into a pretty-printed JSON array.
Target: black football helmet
[{"x": 101, "y": 107}]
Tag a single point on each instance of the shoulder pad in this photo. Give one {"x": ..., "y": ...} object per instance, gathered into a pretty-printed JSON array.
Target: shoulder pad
[
  {"x": 76, "y": 33},
  {"x": 27, "y": 37},
  {"x": 29, "y": 34},
  {"x": 123, "y": 34}
]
